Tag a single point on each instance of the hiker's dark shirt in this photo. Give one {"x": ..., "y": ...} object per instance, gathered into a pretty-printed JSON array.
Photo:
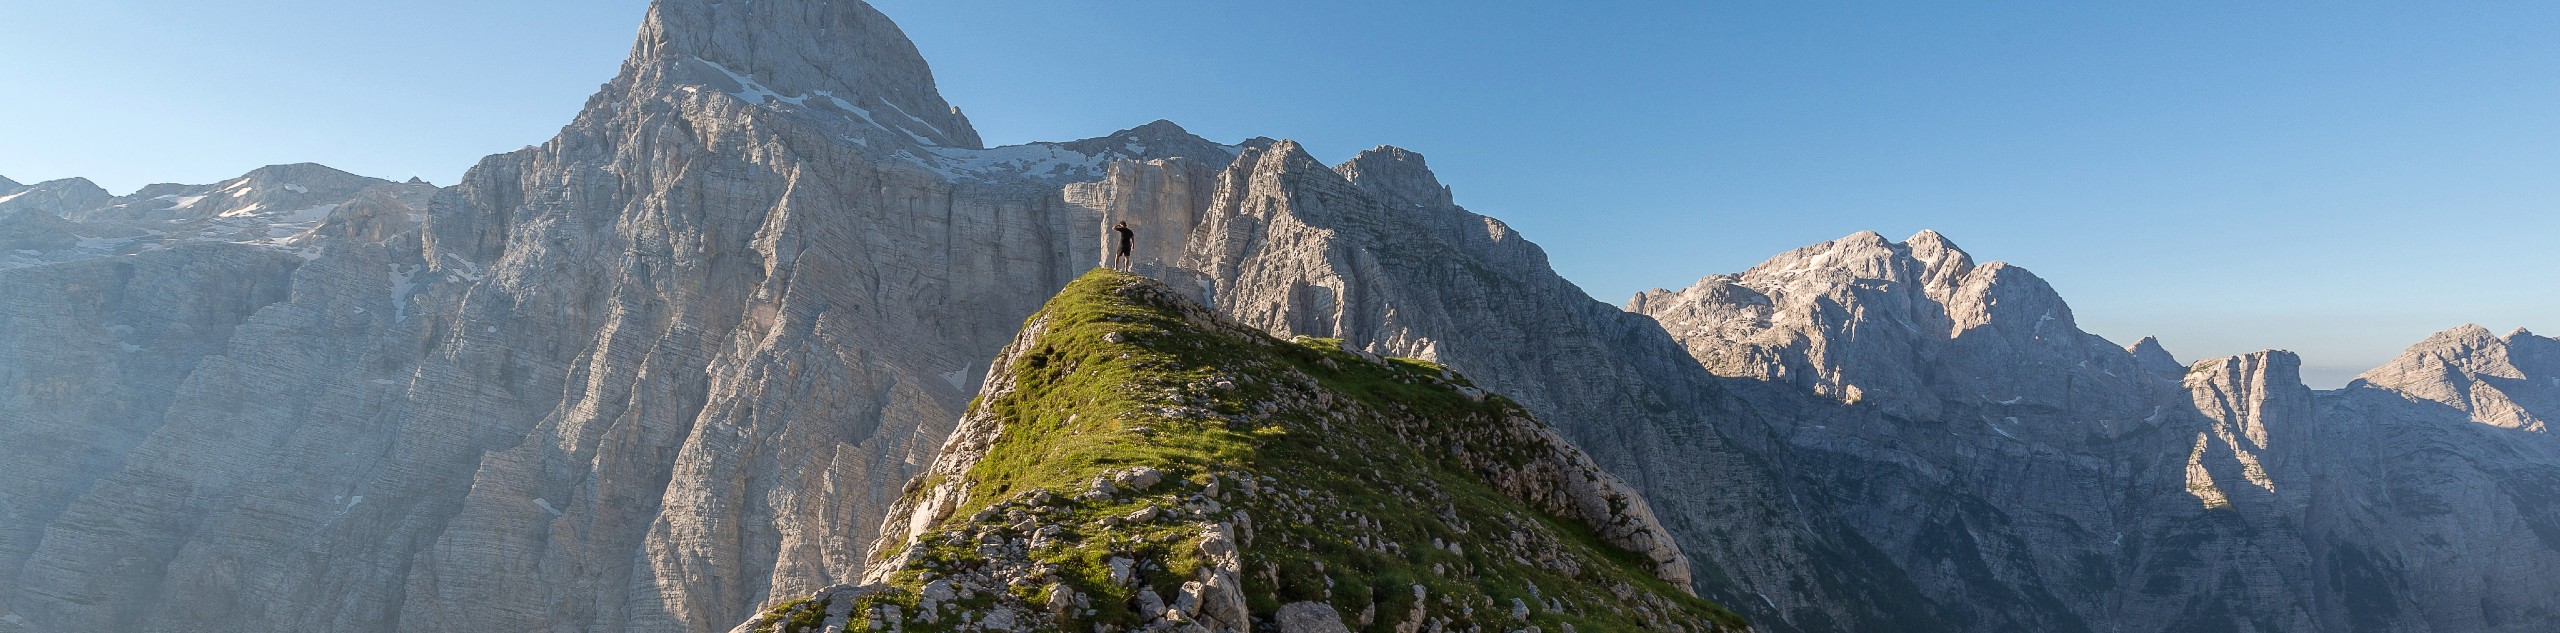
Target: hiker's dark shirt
[{"x": 1126, "y": 237}]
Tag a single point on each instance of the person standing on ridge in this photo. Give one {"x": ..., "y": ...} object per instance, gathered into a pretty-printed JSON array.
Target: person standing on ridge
[{"x": 1128, "y": 239}]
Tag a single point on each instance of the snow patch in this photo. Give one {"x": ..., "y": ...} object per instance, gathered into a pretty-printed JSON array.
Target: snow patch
[
  {"x": 297, "y": 188},
  {"x": 1036, "y": 160},
  {"x": 917, "y": 119},
  {"x": 546, "y": 507},
  {"x": 469, "y": 272},
  {"x": 313, "y": 214},
  {"x": 14, "y": 196},
  {"x": 750, "y": 91},
  {"x": 403, "y": 282}
]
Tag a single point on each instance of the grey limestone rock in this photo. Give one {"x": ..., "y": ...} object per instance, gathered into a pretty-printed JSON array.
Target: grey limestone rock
[
  {"x": 2155, "y": 358},
  {"x": 1310, "y": 617},
  {"x": 2501, "y": 382}
]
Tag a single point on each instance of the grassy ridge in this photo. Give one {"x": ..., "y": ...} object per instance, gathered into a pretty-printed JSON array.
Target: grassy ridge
[{"x": 1344, "y": 477}]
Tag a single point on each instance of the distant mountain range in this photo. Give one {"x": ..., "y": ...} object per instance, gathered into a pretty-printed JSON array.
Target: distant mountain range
[{"x": 677, "y": 365}]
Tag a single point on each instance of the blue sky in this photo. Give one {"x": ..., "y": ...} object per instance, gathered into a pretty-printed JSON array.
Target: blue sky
[{"x": 2337, "y": 178}]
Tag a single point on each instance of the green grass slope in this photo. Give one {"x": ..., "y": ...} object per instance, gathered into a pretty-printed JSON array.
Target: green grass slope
[{"x": 1138, "y": 463}]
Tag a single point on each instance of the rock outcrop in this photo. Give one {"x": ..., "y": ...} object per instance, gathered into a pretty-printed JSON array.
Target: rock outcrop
[{"x": 1137, "y": 462}]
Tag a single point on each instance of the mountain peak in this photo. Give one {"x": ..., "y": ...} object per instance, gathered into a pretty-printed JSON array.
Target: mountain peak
[
  {"x": 1397, "y": 177},
  {"x": 58, "y": 197},
  {"x": 2467, "y": 334},
  {"x": 1928, "y": 260},
  {"x": 2152, "y": 356},
  {"x": 1847, "y": 317},
  {"x": 1159, "y": 139},
  {"x": 2502, "y": 382},
  {"x": 844, "y": 48},
  {"x": 1284, "y": 156},
  {"x": 9, "y": 186}
]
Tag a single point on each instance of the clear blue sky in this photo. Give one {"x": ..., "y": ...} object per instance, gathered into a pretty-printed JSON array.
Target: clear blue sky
[{"x": 2336, "y": 178}]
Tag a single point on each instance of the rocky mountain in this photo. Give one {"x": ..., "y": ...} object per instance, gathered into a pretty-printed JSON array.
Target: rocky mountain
[
  {"x": 674, "y": 366},
  {"x": 642, "y": 377},
  {"x": 277, "y": 208},
  {"x": 2026, "y": 473},
  {"x": 2506, "y": 383},
  {"x": 57, "y": 197},
  {"x": 1136, "y": 461}
]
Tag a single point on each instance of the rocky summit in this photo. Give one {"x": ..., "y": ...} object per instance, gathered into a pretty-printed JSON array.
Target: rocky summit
[
  {"x": 675, "y": 368},
  {"x": 1139, "y": 462}
]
